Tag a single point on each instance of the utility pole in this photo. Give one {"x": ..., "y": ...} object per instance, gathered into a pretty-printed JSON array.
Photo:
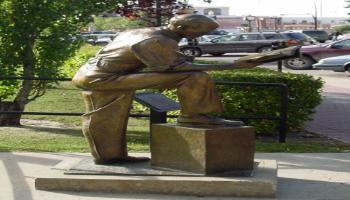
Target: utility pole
[
  {"x": 315, "y": 16},
  {"x": 158, "y": 13}
]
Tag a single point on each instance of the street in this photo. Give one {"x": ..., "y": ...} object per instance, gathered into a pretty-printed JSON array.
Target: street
[{"x": 332, "y": 115}]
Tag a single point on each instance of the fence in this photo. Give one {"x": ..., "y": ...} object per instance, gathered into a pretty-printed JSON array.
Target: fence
[{"x": 156, "y": 116}]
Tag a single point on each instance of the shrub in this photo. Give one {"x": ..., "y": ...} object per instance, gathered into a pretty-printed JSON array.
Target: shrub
[
  {"x": 304, "y": 96},
  {"x": 71, "y": 66}
]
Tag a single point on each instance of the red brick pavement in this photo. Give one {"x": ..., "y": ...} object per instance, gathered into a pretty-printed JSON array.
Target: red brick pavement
[{"x": 332, "y": 117}]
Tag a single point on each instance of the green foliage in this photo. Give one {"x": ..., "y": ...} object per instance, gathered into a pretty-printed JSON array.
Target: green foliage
[
  {"x": 117, "y": 23},
  {"x": 37, "y": 36},
  {"x": 342, "y": 29},
  {"x": 304, "y": 96},
  {"x": 70, "y": 66}
]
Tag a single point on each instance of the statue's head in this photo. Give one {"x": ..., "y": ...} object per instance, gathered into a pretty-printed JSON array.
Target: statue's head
[{"x": 192, "y": 25}]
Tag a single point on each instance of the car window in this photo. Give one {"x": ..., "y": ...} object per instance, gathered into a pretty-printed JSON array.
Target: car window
[
  {"x": 246, "y": 37},
  {"x": 296, "y": 36},
  {"x": 315, "y": 32},
  {"x": 345, "y": 44},
  {"x": 272, "y": 36},
  {"x": 227, "y": 38},
  {"x": 218, "y": 32}
]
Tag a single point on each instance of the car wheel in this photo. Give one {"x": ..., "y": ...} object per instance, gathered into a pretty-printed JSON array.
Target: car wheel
[
  {"x": 264, "y": 49},
  {"x": 217, "y": 54},
  {"x": 187, "y": 52},
  {"x": 195, "y": 52},
  {"x": 303, "y": 62},
  {"x": 347, "y": 68}
]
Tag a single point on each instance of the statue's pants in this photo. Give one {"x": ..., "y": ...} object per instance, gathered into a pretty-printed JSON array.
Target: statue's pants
[{"x": 108, "y": 102}]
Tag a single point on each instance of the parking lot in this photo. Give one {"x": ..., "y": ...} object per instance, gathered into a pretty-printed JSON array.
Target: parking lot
[{"x": 331, "y": 117}]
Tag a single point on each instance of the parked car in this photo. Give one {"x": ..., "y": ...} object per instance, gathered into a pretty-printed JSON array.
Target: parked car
[
  {"x": 318, "y": 35},
  {"x": 243, "y": 42},
  {"x": 99, "y": 39},
  {"x": 338, "y": 63},
  {"x": 296, "y": 38},
  {"x": 312, "y": 54}
]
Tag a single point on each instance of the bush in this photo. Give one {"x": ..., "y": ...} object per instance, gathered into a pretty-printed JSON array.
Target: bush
[
  {"x": 304, "y": 96},
  {"x": 71, "y": 66},
  {"x": 117, "y": 23}
]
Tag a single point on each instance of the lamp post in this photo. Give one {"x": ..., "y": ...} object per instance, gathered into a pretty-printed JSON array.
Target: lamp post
[
  {"x": 259, "y": 23},
  {"x": 249, "y": 18}
]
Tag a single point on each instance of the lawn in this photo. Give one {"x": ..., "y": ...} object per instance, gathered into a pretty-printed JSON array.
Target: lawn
[{"x": 63, "y": 134}]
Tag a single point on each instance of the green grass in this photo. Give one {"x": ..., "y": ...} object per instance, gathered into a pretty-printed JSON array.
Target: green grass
[
  {"x": 38, "y": 137},
  {"x": 64, "y": 98},
  {"x": 48, "y": 139}
]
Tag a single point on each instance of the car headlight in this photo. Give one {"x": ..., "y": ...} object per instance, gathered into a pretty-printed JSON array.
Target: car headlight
[{"x": 321, "y": 62}]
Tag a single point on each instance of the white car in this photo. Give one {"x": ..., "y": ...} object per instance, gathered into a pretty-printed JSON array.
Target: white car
[{"x": 338, "y": 63}]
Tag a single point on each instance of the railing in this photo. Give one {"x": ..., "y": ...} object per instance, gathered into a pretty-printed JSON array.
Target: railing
[{"x": 161, "y": 117}]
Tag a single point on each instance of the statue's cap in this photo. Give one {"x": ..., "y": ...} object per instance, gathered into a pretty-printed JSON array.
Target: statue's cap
[{"x": 195, "y": 20}]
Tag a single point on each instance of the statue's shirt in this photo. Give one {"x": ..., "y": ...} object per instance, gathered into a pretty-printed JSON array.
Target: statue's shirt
[{"x": 137, "y": 51}]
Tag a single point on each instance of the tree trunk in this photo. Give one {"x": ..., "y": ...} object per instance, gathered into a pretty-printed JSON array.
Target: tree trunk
[
  {"x": 22, "y": 97},
  {"x": 10, "y": 119}
]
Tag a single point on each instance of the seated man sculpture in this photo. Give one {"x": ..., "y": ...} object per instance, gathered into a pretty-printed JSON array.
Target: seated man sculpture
[{"x": 149, "y": 58}]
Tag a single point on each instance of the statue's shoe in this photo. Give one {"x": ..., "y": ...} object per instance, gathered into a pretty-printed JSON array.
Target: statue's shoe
[{"x": 206, "y": 120}]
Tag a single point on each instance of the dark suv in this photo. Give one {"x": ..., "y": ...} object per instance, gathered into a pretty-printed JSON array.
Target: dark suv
[
  {"x": 318, "y": 35},
  {"x": 233, "y": 43},
  {"x": 296, "y": 38}
]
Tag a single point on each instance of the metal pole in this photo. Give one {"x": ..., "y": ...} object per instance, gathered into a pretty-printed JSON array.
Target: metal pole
[
  {"x": 284, "y": 115},
  {"x": 315, "y": 16},
  {"x": 279, "y": 65},
  {"x": 158, "y": 13},
  {"x": 157, "y": 117},
  {"x": 250, "y": 26}
]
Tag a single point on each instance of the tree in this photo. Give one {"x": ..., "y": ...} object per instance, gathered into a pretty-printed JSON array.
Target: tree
[
  {"x": 117, "y": 23},
  {"x": 156, "y": 12},
  {"x": 36, "y": 37}
]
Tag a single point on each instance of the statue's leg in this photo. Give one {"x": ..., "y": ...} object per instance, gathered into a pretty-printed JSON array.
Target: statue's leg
[
  {"x": 108, "y": 105},
  {"x": 105, "y": 123},
  {"x": 196, "y": 90},
  {"x": 198, "y": 95}
]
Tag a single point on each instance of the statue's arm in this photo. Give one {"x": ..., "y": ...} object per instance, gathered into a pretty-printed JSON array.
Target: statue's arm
[
  {"x": 161, "y": 54},
  {"x": 244, "y": 62},
  {"x": 189, "y": 66}
]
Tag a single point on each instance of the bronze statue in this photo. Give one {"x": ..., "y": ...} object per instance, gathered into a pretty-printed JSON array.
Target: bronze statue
[{"x": 149, "y": 58}]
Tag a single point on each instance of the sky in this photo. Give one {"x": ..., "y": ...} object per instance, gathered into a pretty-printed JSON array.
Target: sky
[{"x": 325, "y": 8}]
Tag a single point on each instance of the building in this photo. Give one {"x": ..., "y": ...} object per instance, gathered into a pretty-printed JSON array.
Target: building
[
  {"x": 326, "y": 23},
  {"x": 267, "y": 23}
]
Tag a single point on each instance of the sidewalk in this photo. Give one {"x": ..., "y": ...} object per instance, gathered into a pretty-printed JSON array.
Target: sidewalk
[
  {"x": 300, "y": 176},
  {"x": 333, "y": 114}
]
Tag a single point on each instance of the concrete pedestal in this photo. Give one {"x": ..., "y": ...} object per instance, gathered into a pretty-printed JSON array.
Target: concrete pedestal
[
  {"x": 203, "y": 149},
  {"x": 198, "y": 161}
]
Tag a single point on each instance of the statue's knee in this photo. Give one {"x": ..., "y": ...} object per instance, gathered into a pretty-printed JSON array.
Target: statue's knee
[{"x": 200, "y": 75}]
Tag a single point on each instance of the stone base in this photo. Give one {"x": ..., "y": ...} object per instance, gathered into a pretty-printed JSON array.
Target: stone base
[
  {"x": 202, "y": 149},
  {"x": 262, "y": 184}
]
